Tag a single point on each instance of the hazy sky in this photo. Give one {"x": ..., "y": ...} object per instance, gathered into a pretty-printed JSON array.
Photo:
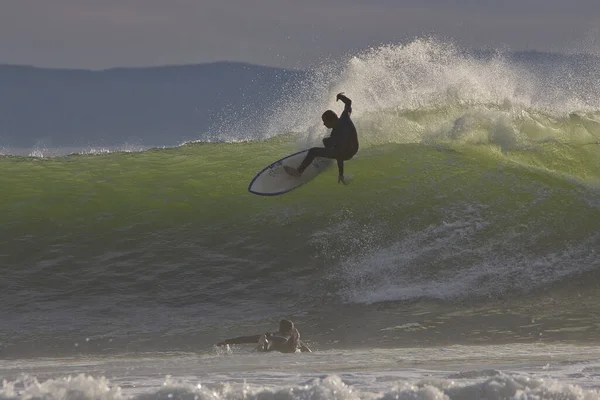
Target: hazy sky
[{"x": 291, "y": 33}]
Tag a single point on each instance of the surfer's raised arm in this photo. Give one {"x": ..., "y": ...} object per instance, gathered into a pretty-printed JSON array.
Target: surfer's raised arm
[{"x": 347, "y": 102}]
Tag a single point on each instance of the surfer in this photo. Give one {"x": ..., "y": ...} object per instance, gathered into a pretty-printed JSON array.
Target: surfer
[
  {"x": 341, "y": 145},
  {"x": 286, "y": 340}
]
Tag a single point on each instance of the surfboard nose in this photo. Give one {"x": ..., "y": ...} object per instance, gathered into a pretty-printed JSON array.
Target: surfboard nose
[{"x": 280, "y": 177}]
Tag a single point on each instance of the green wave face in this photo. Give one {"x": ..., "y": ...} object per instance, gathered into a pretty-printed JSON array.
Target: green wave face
[
  {"x": 475, "y": 212},
  {"x": 208, "y": 181},
  {"x": 475, "y": 176}
]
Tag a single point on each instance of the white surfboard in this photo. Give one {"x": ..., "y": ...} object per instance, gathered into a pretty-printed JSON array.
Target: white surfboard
[{"x": 273, "y": 180}]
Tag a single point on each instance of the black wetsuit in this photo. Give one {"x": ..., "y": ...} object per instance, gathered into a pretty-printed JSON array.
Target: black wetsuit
[
  {"x": 341, "y": 145},
  {"x": 284, "y": 343}
]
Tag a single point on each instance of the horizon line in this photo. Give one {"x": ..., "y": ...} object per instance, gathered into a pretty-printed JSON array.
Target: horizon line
[{"x": 253, "y": 65}]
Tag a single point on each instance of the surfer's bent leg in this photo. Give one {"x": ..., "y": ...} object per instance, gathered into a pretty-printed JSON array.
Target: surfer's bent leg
[
  {"x": 317, "y": 152},
  {"x": 344, "y": 155},
  {"x": 340, "y": 163}
]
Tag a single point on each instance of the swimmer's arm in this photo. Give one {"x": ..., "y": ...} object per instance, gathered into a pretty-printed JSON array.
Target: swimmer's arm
[
  {"x": 304, "y": 348},
  {"x": 278, "y": 338},
  {"x": 240, "y": 340}
]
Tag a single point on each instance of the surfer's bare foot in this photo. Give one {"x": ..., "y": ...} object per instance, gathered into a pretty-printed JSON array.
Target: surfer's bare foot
[{"x": 291, "y": 171}]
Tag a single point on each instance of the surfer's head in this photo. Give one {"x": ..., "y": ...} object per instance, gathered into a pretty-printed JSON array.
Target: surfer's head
[
  {"x": 286, "y": 326},
  {"x": 330, "y": 119}
]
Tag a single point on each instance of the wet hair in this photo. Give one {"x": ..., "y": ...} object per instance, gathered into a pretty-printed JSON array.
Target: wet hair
[
  {"x": 286, "y": 326},
  {"x": 329, "y": 114}
]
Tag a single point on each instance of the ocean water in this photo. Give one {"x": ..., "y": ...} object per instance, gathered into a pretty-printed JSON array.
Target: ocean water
[{"x": 460, "y": 262}]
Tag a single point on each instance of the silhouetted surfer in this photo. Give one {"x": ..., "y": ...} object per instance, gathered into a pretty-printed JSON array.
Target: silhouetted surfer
[
  {"x": 286, "y": 340},
  {"x": 341, "y": 145}
]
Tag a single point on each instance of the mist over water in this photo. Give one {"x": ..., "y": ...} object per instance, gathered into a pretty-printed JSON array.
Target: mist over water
[{"x": 392, "y": 85}]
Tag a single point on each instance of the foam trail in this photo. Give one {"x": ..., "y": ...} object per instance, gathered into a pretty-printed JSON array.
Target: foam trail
[{"x": 331, "y": 387}]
